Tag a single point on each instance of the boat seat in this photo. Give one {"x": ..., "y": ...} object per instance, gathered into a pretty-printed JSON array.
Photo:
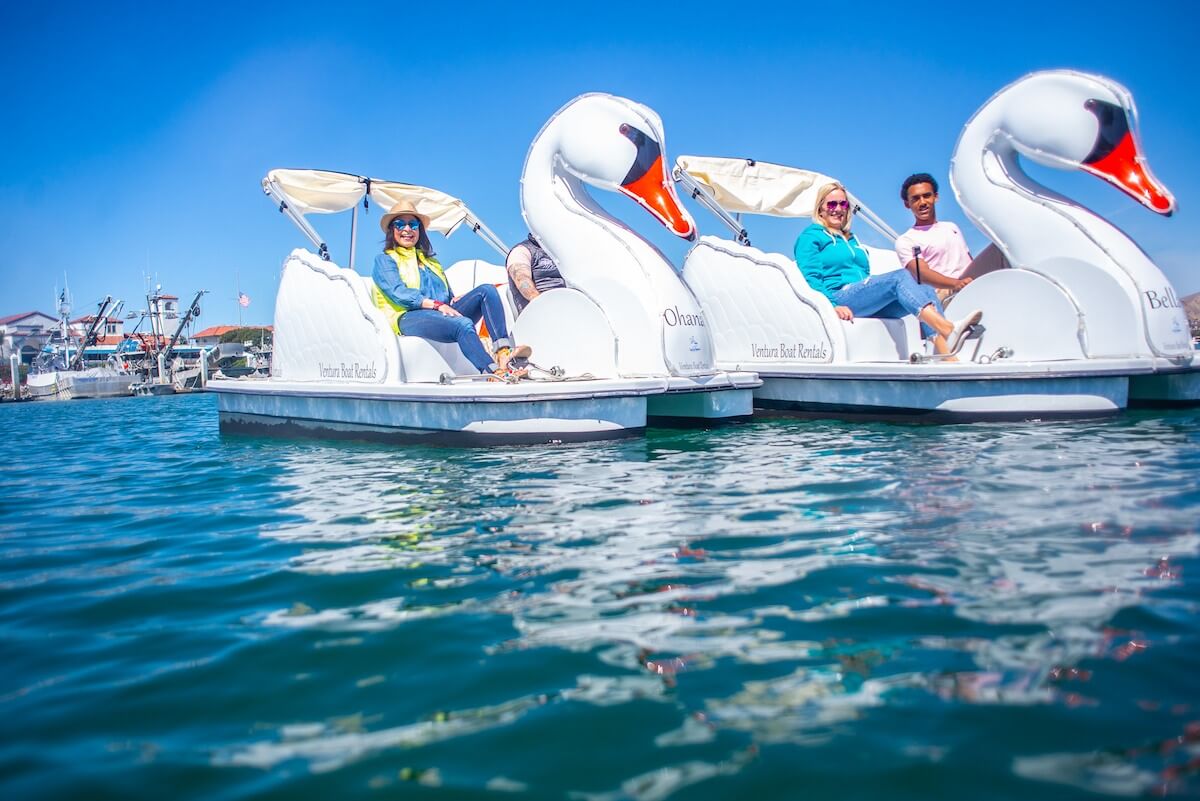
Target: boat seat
[
  {"x": 876, "y": 339},
  {"x": 421, "y": 360}
]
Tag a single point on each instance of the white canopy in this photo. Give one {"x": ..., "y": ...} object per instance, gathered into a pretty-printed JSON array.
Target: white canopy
[
  {"x": 760, "y": 187},
  {"x": 756, "y": 187},
  {"x": 325, "y": 192}
]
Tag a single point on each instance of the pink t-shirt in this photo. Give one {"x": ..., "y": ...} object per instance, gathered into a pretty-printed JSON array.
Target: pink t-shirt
[{"x": 942, "y": 247}]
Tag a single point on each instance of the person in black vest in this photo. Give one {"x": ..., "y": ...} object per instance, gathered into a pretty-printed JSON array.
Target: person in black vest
[{"x": 531, "y": 272}]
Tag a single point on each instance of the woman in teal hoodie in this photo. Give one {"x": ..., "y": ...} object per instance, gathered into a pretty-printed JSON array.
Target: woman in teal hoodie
[{"x": 836, "y": 265}]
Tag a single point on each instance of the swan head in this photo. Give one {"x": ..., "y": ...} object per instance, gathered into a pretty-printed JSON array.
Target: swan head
[
  {"x": 616, "y": 144},
  {"x": 1073, "y": 120}
]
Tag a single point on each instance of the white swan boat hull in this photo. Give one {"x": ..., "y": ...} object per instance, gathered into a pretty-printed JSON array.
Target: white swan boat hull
[
  {"x": 946, "y": 393},
  {"x": 457, "y": 414},
  {"x": 727, "y": 395},
  {"x": 1169, "y": 386}
]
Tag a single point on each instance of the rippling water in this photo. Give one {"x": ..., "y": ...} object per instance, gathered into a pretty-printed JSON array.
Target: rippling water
[{"x": 782, "y": 609}]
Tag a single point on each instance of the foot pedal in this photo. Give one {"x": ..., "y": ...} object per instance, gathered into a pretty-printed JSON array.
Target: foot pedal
[{"x": 976, "y": 333}]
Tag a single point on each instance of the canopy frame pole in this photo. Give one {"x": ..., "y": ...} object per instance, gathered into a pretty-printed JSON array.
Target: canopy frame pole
[
  {"x": 486, "y": 234},
  {"x": 353, "y": 235},
  {"x": 699, "y": 193},
  {"x": 872, "y": 219},
  {"x": 301, "y": 223}
]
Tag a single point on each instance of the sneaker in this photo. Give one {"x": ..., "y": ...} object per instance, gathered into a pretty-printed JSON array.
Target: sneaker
[{"x": 960, "y": 328}]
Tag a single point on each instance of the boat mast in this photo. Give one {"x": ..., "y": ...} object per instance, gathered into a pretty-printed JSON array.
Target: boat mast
[
  {"x": 193, "y": 311},
  {"x": 89, "y": 337}
]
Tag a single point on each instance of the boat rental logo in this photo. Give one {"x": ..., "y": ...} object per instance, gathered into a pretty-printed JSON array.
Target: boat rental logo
[
  {"x": 808, "y": 353},
  {"x": 360, "y": 372}
]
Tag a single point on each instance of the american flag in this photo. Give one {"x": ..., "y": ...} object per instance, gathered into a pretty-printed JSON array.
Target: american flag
[{"x": 243, "y": 299}]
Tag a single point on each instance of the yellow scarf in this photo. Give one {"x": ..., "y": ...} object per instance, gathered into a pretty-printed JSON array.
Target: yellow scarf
[{"x": 409, "y": 262}]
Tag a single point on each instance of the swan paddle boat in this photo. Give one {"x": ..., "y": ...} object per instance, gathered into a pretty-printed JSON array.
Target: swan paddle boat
[
  {"x": 339, "y": 371},
  {"x": 625, "y": 311},
  {"x": 1076, "y": 318},
  {"x": 1111, "y": 298}
]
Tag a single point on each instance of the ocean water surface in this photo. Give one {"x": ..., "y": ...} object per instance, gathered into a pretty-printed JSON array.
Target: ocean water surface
[{"x": 776, "y": 610}]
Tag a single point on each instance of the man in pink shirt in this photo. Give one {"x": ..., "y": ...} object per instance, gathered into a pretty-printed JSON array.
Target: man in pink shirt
[{"x": 944, "y": 256}]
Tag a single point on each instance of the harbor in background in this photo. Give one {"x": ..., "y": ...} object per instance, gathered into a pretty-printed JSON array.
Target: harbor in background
[{"x": 94, "y": 356}]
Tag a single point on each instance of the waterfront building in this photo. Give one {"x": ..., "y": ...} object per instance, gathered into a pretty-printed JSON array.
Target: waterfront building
[
  {"x": 25, "y": 334},
  {"x": 211, "y": 337}
]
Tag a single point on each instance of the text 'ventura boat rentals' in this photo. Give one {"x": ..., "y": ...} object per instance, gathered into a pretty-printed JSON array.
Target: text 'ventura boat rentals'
[
  {"x": 339, "y": 370},
  {"x": 1068, "y": 325}
]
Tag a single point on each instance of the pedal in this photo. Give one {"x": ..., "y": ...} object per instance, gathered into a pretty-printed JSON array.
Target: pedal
[{"x": 974, "y": 332}]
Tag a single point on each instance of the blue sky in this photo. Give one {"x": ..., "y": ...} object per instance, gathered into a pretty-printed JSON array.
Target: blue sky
[{"x": 135, "y": 136}]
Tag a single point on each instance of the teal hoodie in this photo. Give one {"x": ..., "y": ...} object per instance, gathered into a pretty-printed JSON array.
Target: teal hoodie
[{"x": 829, "y": 262}]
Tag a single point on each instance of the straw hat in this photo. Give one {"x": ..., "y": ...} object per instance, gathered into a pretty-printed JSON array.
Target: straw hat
[{"x": 405, "y": 206}]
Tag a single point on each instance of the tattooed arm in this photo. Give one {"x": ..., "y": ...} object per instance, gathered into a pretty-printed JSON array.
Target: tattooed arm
[{"x": 521, "y": 271}]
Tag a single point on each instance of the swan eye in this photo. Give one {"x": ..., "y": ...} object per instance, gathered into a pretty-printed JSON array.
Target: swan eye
[
  {"x": 1114, "y": 127},
  {"x": 648, "y": 152}
]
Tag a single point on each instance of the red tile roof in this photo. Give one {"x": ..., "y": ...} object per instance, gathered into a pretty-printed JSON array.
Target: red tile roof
[
  {"x": 219, "y": 330},
  {"x": 12, "y": 318}
]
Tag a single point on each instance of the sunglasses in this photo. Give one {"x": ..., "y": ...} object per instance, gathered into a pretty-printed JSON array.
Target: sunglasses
[
  {"x": 834, "y": 205},
  {"x": 400, "y": 225}
]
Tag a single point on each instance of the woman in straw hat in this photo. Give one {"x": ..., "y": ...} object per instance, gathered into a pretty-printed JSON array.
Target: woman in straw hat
[
  {"x": 835, "y": 264},
  {"x": 411, "y": 286}
]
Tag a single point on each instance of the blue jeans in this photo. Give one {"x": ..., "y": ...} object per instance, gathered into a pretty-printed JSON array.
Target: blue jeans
[
  {"x": 890, "y": 295},
  {"x": 482, "y": 301}
]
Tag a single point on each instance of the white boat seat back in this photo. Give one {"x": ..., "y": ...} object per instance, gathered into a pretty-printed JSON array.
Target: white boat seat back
[
  {"x": 881, "y": 260},
  {"x": 426, "y": 361},
  {"x": 876, "y": 339},
  {"x": 327, "y": 329},
  {"x": 761, "y": 310},
  {"x": 566, "y": 329},
  {"x": 467, "y": 274},
  {"x": 1027, "y": 312},
  {"x": 422, "y": 360},
  {"x": 758, "y": 307}
]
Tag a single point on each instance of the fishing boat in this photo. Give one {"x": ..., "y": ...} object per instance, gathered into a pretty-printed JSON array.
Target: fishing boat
[
  {"x": 166, "y": 366},
  {"x": 59, "y": 372},
  {"x": 339, "y": 371},
  {"x": 1077, "y": 321}
]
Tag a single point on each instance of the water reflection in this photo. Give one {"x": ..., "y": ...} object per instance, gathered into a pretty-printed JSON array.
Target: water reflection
[{"x": 981, "y": 565}]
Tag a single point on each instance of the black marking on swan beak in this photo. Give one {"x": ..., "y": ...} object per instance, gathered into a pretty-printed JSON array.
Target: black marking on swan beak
[
  {"x": 648, "y": 152},
  {"x": 1114, "y": 127}
]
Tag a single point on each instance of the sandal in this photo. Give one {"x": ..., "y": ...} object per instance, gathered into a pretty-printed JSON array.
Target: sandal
[
  {"x": 505, "y": 355},
  {"x": 508, "y": 375}
]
